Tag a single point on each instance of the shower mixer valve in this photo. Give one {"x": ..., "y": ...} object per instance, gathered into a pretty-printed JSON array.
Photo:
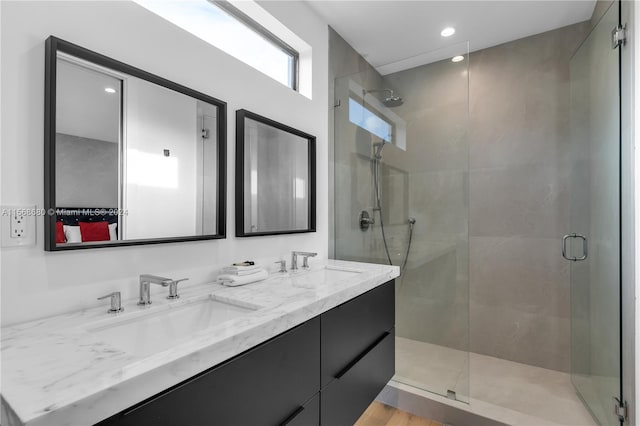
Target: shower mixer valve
[{"x": 365, "y": 220}]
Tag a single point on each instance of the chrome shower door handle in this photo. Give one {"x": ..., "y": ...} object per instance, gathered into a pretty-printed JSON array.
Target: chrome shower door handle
[
  {"x": 564, "y": 245},
  {"x": 585, "y": 247}
]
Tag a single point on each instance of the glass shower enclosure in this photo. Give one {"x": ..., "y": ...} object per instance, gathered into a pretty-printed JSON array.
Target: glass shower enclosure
[
  {"x": 401, "y": 196},
  {"x": 594, "y": 245}
]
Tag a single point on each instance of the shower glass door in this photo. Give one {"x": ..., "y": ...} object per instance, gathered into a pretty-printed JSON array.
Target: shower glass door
[
  {"x": 401, "y": 194},
  {"x": 594, "y": 233}
]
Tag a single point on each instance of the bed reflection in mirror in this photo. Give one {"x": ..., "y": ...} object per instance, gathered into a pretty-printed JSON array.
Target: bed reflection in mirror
[{"x": 133, "y": 159}]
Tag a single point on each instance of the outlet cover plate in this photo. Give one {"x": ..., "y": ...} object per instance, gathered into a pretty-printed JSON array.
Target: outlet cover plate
[{"x": 27, "y": 225}]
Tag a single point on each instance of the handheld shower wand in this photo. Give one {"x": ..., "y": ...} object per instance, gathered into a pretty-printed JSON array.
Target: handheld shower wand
[
  {"x": 377, "y": 158},
  {"x": 378, "y": 147}
]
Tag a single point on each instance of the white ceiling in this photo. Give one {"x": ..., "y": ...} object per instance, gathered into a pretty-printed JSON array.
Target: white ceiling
[
  {"x": 396, "y": 35},
  {"x": 83, "y": 108}
]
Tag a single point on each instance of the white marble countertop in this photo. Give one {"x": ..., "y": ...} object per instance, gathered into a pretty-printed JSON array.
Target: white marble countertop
[{"x": 56, "y": 372}]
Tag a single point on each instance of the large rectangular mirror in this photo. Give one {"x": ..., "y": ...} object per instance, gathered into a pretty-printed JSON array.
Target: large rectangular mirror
[
  {"x": 275, "y": 177},
  {"x": 130, "y": 158}
]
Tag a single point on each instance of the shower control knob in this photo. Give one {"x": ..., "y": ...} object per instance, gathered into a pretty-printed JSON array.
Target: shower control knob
[{"x": 365, "y": 220}]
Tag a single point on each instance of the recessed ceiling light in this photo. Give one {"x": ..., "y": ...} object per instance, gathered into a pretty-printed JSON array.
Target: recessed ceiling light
[
  {"x": 449, "y": 31},
  {"x": 110, "y": 90},
  {"x": 457, "y": 58}
]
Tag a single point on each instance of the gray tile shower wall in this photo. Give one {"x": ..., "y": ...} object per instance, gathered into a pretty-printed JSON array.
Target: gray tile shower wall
[
  {"x": 515, "y": 200},
  {"x": 350, "y": 169},
  {"x": 519, "y": 182},
  {"x": 518, "y": 142},
  {"x": 433, "y": 293}
]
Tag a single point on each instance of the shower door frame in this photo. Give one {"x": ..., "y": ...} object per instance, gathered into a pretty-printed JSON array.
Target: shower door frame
[
  {"x": 630, "y": 95},
  {"x": 628, "y": 158}
]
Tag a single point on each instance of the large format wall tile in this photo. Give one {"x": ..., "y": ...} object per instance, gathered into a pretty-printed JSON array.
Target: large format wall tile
[
  {"x": 432, "y": 304},
  {"x": 525, "y": 200},
  {"x": 519, "y": 100},
  {"x": 526, "y": 274},
  {"x": 519, "y": 303},
  {"x": 438, "y": 201},
  {"x": 519, "y": 198},
  {"x": 504, "y": 332},
  {"x": 436, "y": 111}
]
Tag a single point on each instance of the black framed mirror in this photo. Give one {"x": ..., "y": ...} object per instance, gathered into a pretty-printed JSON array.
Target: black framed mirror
[
  {"x": 275, "y": 177},
  {"x": 130, "y": 158}
]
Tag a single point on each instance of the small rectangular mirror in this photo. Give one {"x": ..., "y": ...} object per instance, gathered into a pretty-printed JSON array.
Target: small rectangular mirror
[
  {"x": 131, "y": 158},
  {"x": 275, "y": 177}
]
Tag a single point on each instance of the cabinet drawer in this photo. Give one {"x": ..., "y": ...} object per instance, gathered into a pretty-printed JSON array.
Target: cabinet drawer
[
  {"x": 349, "y": 329},
  {"x": 263, "y": 386},
  {"x": 347, "y": 397},
  {"x": 308, "y": 415}
]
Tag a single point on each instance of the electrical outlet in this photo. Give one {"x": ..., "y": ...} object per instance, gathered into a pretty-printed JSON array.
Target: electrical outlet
[{"x": 18, "y": 226}]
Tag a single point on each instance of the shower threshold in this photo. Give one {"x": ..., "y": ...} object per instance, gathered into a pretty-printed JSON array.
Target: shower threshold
[{"x": 501, "y": 391}]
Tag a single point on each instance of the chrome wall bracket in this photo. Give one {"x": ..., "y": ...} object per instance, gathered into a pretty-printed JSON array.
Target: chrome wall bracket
[
  {"x": 620, "y": 409},
  {"x": 619, "y": 36}
]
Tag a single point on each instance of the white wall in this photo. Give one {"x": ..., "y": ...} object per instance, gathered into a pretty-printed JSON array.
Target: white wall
[
  {"x": 36, "y": 283},
  {"x": 160, "y": 191},
  {"x": 83, "y": 108}
]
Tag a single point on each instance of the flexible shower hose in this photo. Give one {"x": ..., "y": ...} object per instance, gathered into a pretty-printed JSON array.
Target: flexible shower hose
[
  {"x": 376, "y": 177},
  {"x": 412, "y": 221}
]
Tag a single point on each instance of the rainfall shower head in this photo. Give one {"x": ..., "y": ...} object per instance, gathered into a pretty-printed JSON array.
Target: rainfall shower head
[
  {"x": 393, "y": 101},
  {"x": 390, "y": 101}
]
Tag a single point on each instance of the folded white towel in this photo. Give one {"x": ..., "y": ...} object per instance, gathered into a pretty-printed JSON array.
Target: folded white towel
[
  {"x": 236, "y": 280},
  {"x": 241, "y": 270}
]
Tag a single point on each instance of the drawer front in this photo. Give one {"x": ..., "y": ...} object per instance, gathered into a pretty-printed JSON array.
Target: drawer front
[
  {"x": 308, "y": 415},
  {"x": 346, "y": 398},
  {"x": 261, "y": 387},
  {"x": 349, "y": 329}
]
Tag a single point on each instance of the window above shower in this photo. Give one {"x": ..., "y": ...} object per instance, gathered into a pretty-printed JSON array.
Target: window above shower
[
  {"x": 245, "y": 34},
  {"x": 375, "y": 116},
  {"x": 370, "y": 121}
]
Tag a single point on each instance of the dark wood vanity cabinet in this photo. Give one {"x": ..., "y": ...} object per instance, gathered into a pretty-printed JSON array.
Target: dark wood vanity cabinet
[
  {"x": 348, "y": 330},
  {"x": 325, "y": 371},
  {"x": 358, "y": 354},
  {"x": 265, "y": 385}
]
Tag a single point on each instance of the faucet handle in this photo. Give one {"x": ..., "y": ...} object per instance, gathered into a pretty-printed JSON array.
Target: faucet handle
[
  {"x": 173, "y": 288},
  {"x": 305, "y": 259},
  {"x": 305, "y": 254},
  {"x": 283, "y": 265},
  {"x": 116, "y": 302}
]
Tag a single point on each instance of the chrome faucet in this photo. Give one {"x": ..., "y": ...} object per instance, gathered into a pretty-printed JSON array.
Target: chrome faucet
[
  {"x": 305, "y": 259},
  {"x": 173, "y": 288},
  {"x": 283, "y": 265},
  {"x": 145, "y": 280},
  {"x": 116, "y": 302}
]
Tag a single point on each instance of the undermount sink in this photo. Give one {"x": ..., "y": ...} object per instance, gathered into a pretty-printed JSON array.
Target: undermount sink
[
  {"x": 162, "y": 329},
  {"x": 316, "y": 277}
]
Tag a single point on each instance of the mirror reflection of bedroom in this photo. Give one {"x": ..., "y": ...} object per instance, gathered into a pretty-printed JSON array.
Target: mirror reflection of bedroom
[{"x": 134, "y": 160}]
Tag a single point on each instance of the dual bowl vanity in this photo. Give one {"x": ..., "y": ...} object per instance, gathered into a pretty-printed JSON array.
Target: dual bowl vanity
[
  {"x": 299, "y": 348},
  {"x": 308, "y": 347}
]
